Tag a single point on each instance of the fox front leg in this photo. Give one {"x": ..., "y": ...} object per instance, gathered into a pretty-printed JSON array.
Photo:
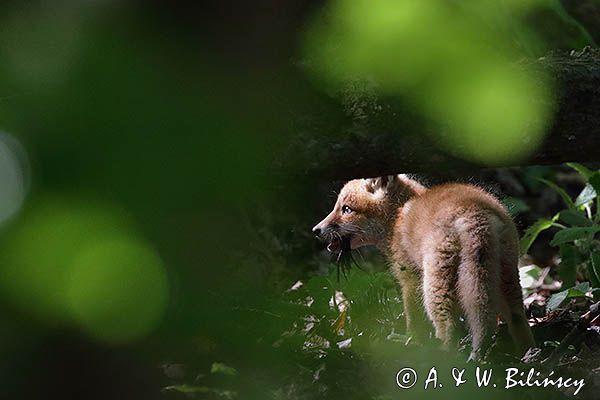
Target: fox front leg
[{"x": 417, "y": 324}]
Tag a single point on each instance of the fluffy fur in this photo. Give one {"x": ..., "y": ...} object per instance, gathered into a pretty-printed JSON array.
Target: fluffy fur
[{"x": 453, "y": 249}]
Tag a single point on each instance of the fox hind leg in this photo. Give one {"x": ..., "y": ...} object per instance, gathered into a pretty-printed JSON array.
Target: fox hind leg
[
  {"x": 478, "y": 283},
  {"x": 439, "y": 291},
  {"x": 512, "y": 308}
]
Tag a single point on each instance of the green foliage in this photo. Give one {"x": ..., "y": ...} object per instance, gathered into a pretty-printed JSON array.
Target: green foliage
[
  {"x": 323, "y": 336},
  {"x": 534, "y": 230},
  {"x": 580, "y": 290},
  {"x": 220, "y": 368},
  {"x": 359, "y": 311},
  {"x": 568, "y": 235},
  {"x": 577, "y": 226}
]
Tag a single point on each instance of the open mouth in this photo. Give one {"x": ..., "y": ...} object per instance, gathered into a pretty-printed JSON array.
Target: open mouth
[
  {"x": 335, "y": 245},
  {"x": 342, "y": 250}
]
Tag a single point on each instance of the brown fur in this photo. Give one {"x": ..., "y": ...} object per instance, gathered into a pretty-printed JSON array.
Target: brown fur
[{"x": 453, "y": 249}]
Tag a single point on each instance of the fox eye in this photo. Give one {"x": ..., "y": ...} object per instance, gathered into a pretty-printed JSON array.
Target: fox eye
[{"x": 346, "y": 210}]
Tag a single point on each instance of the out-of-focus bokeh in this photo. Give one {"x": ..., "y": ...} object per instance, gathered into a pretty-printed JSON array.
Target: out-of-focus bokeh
[
  {"x": 150, "y": 237},
  {"x": 451, "y": 62}
]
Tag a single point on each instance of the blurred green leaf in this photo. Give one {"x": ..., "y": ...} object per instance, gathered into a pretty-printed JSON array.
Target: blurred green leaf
[
  {"x": 533, "y": 231},
  {"x": 563, "y": 195},
  {"x": 572, "y": 31},
  {"x": 575, "y": 218},
  {"x": 557, "y": 299},
  {"x": 582, "y": 169},
  {"x": 582, "y": 287},
  {"x": 220, "y": 368},
  {"x": 571, "y": 234}
]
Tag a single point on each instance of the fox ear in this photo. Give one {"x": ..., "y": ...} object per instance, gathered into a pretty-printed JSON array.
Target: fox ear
[
  {"x": 395, "y": 186},
  {"x": 380, "y": 185}
]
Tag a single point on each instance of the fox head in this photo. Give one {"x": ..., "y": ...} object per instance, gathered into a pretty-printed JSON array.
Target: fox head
[{"x": 365, "y": 211}]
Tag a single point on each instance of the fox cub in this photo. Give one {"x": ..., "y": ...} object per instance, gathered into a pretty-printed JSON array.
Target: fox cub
[{"x": 453, "y": 248}]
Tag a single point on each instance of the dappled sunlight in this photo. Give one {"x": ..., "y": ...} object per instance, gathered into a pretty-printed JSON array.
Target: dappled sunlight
[{"x": 455, "y": 69}]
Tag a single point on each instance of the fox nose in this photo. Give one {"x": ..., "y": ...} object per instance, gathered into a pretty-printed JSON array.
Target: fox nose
[{"x": 316, "y": 230}]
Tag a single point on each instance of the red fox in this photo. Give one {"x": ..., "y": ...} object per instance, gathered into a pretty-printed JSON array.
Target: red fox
[{"x": 453, "y": 248}]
